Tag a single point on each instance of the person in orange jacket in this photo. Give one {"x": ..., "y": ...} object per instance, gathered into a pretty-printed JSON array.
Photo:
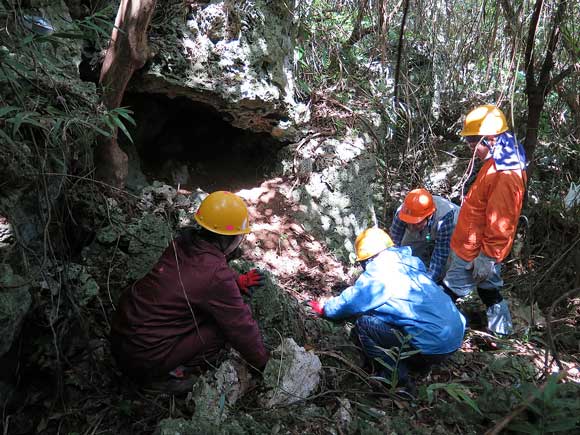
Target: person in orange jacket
[{"x": 489, "y": 215}]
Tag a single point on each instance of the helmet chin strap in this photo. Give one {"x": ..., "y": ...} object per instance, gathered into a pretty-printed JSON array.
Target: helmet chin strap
[
  {"x": 232, "y": 245},
  {"x": 486, "y": 143}
]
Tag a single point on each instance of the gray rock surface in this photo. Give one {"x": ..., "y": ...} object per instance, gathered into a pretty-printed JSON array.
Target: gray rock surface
[
  {"x": 234, "y": 56},
  {"x": 334, "y": 181},
  {"x": 292, "y": 374}
]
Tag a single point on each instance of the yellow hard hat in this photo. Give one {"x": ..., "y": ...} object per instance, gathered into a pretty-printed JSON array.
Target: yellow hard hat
[
  {"x": 223, "y": 213},
  {"x": 370, "y": 242},
  {"x": 418, "y": 205},
  {"x": 485, "y": 120}
]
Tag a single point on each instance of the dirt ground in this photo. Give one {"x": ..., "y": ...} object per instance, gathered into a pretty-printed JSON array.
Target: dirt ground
[
  {"x": 98, "y": 399},
  {"x": 279, "y": 243}
]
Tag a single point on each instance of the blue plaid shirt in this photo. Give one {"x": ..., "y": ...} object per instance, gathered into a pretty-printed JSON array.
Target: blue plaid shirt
[{"x": 444, "y": 230}]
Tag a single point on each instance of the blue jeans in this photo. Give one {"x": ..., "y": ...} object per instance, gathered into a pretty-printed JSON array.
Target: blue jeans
[
  {"x": 460, "y": 280},
  {"x": 373, "y": 334}
]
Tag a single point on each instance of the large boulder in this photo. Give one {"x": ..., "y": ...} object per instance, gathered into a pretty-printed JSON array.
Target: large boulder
[
  {"x": 334, "y": 180},
  {"x": 233, "y": 56}
]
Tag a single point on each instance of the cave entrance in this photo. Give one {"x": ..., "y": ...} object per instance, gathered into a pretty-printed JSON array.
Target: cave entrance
[{"x": 189, "y": 144}]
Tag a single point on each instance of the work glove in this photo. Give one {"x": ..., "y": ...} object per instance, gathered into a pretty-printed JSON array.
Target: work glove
[
  {"x": 248, "y": 282},
  {"x": 482, "y": 267},
  {"x": 317, "y": 307}
]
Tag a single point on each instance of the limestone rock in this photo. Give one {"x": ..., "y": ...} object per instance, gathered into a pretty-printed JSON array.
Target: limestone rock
[
  {"x": 334, "y": 185},
  {"x": 344, "y": 415},
  {"x": 83, "y": 286},
  {"x": 214, "y": 394},
  {"x": 6, "y": 233},
  {"x": 234, "y": 56},
  {"x": 292, "y": 374}
]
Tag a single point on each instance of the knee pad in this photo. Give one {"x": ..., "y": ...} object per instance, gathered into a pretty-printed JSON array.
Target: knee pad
[{"x": 489, "y": 296}]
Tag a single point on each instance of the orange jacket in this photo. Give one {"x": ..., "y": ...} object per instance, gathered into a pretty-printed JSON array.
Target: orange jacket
[{"x": 489, "y": 215}]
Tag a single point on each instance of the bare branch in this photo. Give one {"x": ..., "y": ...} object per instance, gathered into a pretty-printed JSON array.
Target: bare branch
[
  {"x": 510, "y": 16},
  {"x": 529, "y": 54},
  {"x": 400, "y": 47},
  {"x": 561, "y": 76},
  {"x": 552, "y": 43}
]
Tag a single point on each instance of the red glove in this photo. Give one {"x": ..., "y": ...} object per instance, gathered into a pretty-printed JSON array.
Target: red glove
[
  {"x": 247, "y": 281},
  {"x": 317, "y": 307}
]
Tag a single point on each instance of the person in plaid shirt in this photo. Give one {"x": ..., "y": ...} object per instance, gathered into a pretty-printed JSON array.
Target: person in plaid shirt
[{"x": 425, "y": 223}]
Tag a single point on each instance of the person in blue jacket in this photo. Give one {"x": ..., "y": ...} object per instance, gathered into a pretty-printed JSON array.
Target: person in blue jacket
[{"x": 394, "y": 302}]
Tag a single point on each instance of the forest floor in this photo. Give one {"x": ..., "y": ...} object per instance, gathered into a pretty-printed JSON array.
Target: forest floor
[{"x": 485, "y": 385}]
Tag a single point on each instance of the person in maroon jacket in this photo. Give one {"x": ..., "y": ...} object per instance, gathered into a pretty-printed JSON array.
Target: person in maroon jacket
[{"x": 180, "y": 315}]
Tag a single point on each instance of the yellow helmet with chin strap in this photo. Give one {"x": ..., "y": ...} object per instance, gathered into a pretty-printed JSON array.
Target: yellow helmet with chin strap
[
  {"x": 223, "y": 213},
  {"x": 370, "y": 242},
  {"x": 485, "y": 120}
]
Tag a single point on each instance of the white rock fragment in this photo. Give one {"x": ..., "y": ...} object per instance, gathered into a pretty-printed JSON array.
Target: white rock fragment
[
  {"x": 343, "y": 415},
  {"x": 292, "y": 374}
]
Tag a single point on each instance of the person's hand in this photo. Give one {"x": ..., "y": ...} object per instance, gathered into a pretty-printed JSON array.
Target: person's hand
[
  {"x": 482, "y": 267},
  {"x": 317, "y": 307},
  {"x": 248, "y": 282}
]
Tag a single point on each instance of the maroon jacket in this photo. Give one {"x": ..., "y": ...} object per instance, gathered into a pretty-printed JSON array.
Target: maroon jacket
[{"x": 154, "y": 326}]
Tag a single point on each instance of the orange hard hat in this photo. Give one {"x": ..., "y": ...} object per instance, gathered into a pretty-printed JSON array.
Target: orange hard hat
[
  {"x": 370, "y": 242},
  {"x": 485, "y": 120},
  {"x": 418, "y": 205},
  {"x": 223, "y": 213}
]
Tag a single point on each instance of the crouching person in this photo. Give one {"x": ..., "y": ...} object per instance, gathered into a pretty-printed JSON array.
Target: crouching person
[
  {"x": 178, "y": 317},
  {"x": 394, "y": 299}
]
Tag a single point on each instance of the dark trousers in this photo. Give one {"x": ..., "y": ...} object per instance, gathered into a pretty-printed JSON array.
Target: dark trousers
[
  {"x": 375, "y": 335},
  {"x": 196, "y": 352}
]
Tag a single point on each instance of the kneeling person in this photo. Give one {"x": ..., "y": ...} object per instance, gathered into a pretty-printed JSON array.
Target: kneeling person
[
  {"x": 394, "y": 298},
  {"x": 183, "y": 312},
  {"x": 426, "y": 222}
]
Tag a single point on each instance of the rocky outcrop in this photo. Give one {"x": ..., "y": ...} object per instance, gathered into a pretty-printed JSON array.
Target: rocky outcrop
[
  {"x": 232, "y": 55},
  {"x": 333, "y": 183}
]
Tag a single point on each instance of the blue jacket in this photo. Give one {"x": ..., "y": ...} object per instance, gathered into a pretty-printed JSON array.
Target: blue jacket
[{"x": 396, "y": 289}]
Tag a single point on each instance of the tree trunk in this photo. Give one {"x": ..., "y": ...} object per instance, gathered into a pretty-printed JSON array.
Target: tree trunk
[
  {"x": 537, "y": 89},
  {"x": 128, "y": 51},
  {"x": 535, "y": 106}
]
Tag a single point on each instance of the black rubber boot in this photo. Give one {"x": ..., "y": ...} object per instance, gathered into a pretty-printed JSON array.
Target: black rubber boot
[{"x": 489, "y": 296}]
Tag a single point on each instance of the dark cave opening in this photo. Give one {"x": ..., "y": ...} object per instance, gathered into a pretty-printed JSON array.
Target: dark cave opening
[{"x": 190, "y": 144}]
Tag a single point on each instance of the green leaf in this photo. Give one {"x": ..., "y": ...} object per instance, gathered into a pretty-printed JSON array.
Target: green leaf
[
  {"x": 563, "y": 425},
  {"x": 384, "y": 364},
  {"x": 409, "y": 353},
  {"x": 389, "y": 382},
  {"x": 551, "y": 388},
  {"x": 127, "y": 114},
  {"x": 534, "y": 408},
  {"x": 66, "y": 35},
  {"x": 392, "y": 353},
  {"x": 120, "y": 124},
  {"x": 28, "y": 39},
  {"x": 101, "y": 131},
  {"x": 7, "y": 137},
  {"x": 523, "y": 427},
  {"x": 14, "y": 64},
  {"x": 458, "y": 392},
  {"x": 109, "y": 123},
  {"x": 6, "y": 110}
]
